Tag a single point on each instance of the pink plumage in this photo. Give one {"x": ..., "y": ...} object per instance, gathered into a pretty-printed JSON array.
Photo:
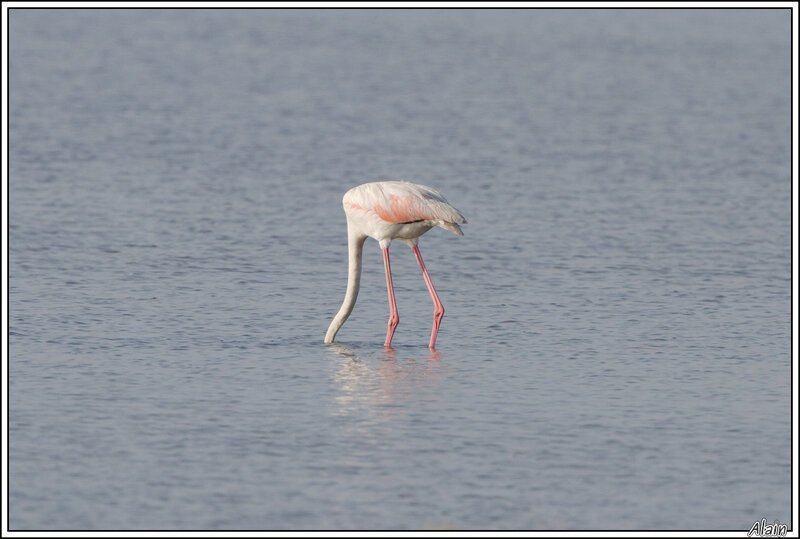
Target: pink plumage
[
  {"x": 402, "y": 202},
  {"x": 386, "y": 211}
]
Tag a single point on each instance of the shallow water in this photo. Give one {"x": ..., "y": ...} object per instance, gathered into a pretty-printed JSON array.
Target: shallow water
[{"x": 616, "y": 348}]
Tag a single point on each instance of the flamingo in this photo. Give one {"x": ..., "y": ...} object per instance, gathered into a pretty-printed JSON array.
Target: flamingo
[{"x": 386, "y": 211}]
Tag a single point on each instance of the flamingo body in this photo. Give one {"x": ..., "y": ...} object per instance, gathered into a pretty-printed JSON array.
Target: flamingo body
[
  {"x": 386, "y": 211},
  {"x": 399, "y": 210}
]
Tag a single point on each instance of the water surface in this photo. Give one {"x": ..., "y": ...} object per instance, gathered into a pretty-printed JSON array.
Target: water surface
[{"x": 616, "y": 348}]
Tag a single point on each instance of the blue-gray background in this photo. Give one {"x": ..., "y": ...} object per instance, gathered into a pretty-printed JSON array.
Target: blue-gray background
[{"x": 616, "y": 348}]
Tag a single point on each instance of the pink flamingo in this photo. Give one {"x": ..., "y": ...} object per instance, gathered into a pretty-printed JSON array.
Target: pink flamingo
[{"x": 386, "y": 211}]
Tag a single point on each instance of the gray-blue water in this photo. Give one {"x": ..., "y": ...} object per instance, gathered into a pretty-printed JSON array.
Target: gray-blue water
[{"x": 616, "y": 348}]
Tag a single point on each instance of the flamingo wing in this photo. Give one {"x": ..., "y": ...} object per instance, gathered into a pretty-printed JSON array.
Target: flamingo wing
[{"x": 404, "y": 202}]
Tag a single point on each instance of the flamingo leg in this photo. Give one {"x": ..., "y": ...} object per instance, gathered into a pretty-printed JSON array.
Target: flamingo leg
[
  {"x": 394, "y": 318},
  {"x": 438, "y": 308}
]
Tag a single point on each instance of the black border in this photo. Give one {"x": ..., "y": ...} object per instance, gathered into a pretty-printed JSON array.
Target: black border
[{"x": 410, "y": 531}]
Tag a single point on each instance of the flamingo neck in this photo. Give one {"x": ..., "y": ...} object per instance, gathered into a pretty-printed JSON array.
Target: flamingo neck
[{"x": 355, "y": 244}]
